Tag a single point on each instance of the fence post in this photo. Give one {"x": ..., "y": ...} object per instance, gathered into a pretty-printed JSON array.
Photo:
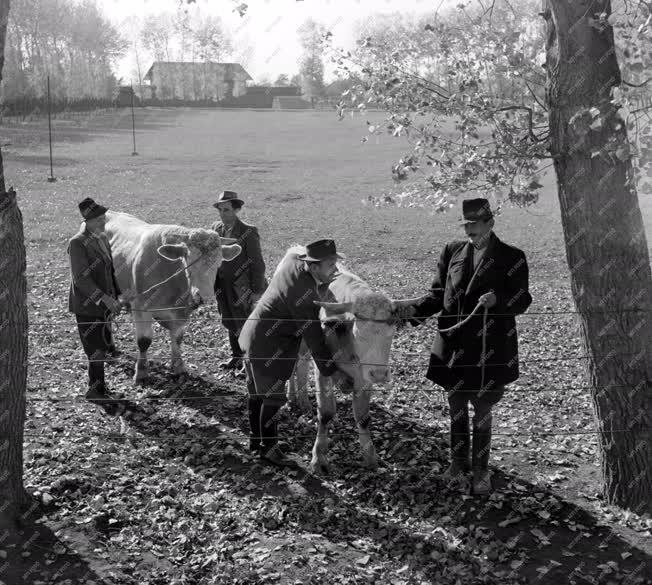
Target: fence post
[
  {"x": 133, "y": 120},
  {"x": 51, "y": 178}
]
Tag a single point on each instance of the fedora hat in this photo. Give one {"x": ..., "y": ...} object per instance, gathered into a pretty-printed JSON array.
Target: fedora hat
[
  {"x": 474, "y": 210},
  {"x": 228, "y": 197},
  {"x": 90, "y": 210},
  {"x": 320, "y": 250}
]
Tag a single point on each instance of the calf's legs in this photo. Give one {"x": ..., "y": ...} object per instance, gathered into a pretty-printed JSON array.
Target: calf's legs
[
  {"x": 177, "y": 330},
  {"x": 361, "y": 399},
  {"x": 144, "y": 332},
  {"x": 298, "y": 387},
  {"x": 326, "y": 408}
]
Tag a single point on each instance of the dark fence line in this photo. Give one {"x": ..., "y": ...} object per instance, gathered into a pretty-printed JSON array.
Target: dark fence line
[{"x": 32, "y": 106}]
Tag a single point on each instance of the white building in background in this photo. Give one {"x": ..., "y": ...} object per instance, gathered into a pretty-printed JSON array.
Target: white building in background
[{"x": 196, "y": 81}]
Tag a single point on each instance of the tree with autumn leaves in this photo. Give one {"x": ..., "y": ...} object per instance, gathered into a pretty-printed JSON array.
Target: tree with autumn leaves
[{"x": 570, "y": 108}]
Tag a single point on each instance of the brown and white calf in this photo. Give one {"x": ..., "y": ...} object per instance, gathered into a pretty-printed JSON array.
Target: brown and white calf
[
  {"x": 164, "y": 273},
  {"x": 364, "y": 323}
]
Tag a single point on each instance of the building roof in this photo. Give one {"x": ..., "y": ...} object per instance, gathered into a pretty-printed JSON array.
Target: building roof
[{"x": 231, "y": 70}]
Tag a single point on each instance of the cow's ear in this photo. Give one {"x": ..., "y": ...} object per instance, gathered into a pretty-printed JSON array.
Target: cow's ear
[
  {"x": 173, "y": 251},
  {"x": 230, "y": 252}
]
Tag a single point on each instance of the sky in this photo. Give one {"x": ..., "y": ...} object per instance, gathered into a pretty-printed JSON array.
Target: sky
[{"x": 268, "y": 32}]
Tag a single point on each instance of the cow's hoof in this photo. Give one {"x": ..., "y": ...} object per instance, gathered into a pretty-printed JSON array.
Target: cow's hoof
[
  {"x": 180, "y": 377},
  {"x": 370, "y": 463},
  {"x": 141, "y": 379},
  {"x": 301, "y": 407},
  {"x": 320, "y": 467},
  {"x": 179, "y": 371}
]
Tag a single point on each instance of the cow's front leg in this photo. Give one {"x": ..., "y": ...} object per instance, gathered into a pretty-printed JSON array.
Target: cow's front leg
[
  {"x": 177, "y": 330},
  {"x": 298, "y": 387},
  {"x": 361, "y": 399},
  {"x": 326, "y": 408},
  {"x": 144, "y": 332}
]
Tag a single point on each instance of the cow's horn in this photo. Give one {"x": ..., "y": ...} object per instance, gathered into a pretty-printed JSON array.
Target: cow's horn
[
  {"x": 407, "y": 302},
  {"x": 335, "y": 307},
  {"x": 228, "y": 241}
]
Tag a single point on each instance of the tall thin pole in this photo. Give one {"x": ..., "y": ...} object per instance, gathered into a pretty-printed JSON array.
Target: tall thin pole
[
  {"x": 133, "y": 120},
  {"x": 51, "y": 178}
]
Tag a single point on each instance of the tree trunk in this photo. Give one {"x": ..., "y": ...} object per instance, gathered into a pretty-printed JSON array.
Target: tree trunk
[
  {"x": 605, "y": 240},
  {"x": 13, "y": 337}
]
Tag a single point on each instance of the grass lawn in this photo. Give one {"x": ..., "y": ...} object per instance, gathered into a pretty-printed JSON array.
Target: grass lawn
[{"x": 168, "y": 495}]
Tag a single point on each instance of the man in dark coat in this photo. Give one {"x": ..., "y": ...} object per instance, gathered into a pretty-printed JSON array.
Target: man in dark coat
[
  {"x": 240, "y": 282},
  {"x": 475, "y": 361},
  {"x": 272, "y": 334},
  {"x": 94, "y": 291}
]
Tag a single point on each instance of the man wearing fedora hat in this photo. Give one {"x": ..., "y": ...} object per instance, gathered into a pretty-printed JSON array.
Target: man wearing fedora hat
[
  {"x": 240, "y": 282},
  {"x": 93, "y": 296},
  {"x": 272, "y": 335},
  {"x": 475, "y": 361}
]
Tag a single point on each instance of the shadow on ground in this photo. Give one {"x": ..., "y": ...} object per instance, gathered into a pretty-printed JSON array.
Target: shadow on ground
[
  {"x": 33, "y": 554},
  {"x": 522, "y": 531}
]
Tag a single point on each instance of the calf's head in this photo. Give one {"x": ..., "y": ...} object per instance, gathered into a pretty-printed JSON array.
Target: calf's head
[
  {"x": 366, "y": 328},
  {"x": 203, "y": 252}
]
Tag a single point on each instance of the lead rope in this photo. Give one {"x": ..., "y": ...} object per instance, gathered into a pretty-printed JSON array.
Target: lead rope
[
  {"x": 182, "y": 269},
  {"x": 112, "y": 318},
  {"x": 484, "y": 347},
  {"x": 484, "y": 344}
]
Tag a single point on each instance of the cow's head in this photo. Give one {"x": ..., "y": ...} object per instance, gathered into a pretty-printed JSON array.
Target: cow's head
[
  {"x": 365, "y": 329},
  {"x": 203, "y": 252}
]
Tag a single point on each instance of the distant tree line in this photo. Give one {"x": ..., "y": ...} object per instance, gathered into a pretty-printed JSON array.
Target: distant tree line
[
  {"x": 71, "y": 41},
  {"x": 38, "y": 106}
]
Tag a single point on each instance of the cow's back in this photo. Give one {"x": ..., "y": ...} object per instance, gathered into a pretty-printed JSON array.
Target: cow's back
[{"x": 126, "y": 234}]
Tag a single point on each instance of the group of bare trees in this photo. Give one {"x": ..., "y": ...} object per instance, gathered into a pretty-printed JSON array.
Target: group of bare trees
[
  {"x": 513, "y": 42},
  {"x": 73, "y": 42},
  {"x": 184, "y": 35}
]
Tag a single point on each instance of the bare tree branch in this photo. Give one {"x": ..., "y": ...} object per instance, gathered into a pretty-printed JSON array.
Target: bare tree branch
[{"x": 543, "y": 107}]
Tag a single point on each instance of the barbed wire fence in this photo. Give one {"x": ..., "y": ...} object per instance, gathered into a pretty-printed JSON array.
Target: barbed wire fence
[{"x": 379, "y": 388}]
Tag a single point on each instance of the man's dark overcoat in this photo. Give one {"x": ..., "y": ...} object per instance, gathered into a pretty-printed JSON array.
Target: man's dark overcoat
[
  {"x": 238, "y": 279},
  {"x": 286, "y": 312},
  {"x": 92, "y": 274},
  {"x": 455, "y": 358}
]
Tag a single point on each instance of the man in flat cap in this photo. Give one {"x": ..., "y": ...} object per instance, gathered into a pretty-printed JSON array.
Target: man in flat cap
[
  {"x": 94, "y": 291},
  {"x": 239, "y": 283},
  {"x": 474, "y": 362},
  {"x": 272, "y": 334}
]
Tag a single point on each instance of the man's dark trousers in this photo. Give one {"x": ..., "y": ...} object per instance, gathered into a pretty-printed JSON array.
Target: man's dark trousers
[
  {"x": 482, "y": 401},
  {"x": 97, "y": 340},
  {"x": 236, "y": 351},
  {"x": 266, "y": 397}
]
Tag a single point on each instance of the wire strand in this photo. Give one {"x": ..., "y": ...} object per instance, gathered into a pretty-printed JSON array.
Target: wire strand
[
  {"x": 292, "y": 320},
  {"x": 240, "y": 437},
  {"x": 370, "y": 364}
]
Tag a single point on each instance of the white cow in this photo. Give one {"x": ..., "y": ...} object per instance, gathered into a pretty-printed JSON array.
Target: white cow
[
  {"x": 365, "y": 322},
  {"x": 164, "y": 273}
]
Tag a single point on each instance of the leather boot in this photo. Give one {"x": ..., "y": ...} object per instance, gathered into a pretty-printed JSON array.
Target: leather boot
[
  {"x": 271, "y": 450},
  {"x": 460, "y": 443},
  {"x": 254, "y": 406},
  {"x": 480, "y": 460}
]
